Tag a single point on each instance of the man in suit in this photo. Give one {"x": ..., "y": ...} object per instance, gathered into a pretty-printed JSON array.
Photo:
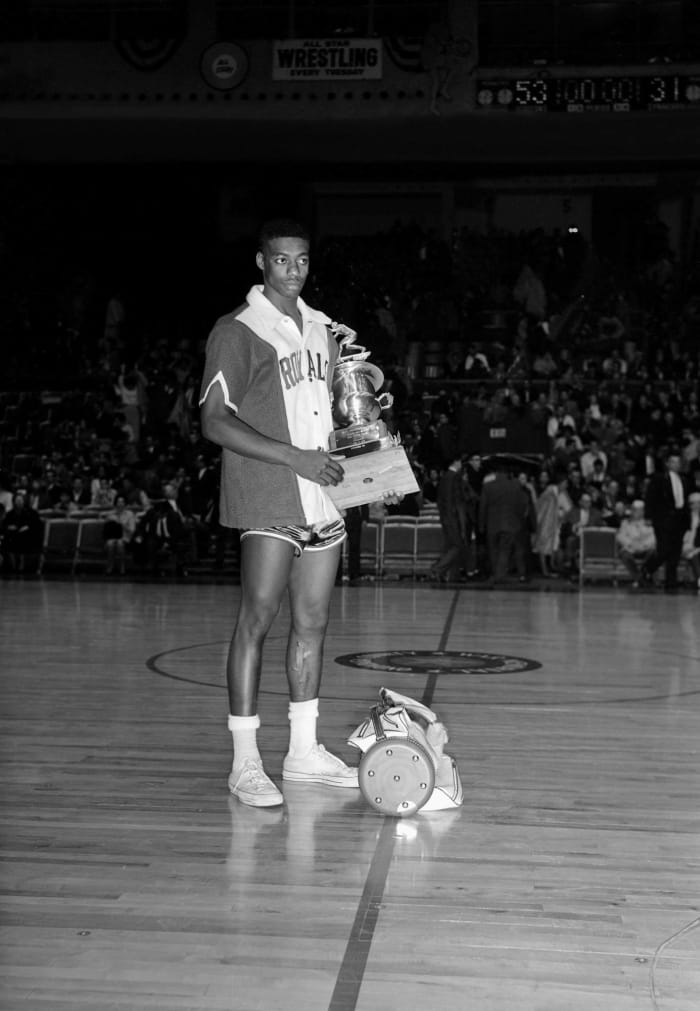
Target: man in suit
[
  {"x": 585, "y": 514},
  {"x": 165, "y": 528},
  {"x": 452, "y": 506},
  {"x": 666, "y": 505},
  {"x": 502, "y": 518}
]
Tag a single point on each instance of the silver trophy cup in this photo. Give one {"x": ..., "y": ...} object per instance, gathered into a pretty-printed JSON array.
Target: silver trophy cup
[
  {"x": 374, "y": 464},
  {"x": 357, "y": 409}
]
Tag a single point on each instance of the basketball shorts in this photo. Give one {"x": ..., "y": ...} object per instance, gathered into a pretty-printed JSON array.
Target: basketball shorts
[{"x": 318, "y": 537}]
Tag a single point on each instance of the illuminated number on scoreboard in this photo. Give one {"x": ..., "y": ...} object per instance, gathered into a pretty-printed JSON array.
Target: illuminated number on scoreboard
[
  {"x": 588, "y": 90},
  {"x": 539, "y": 92},
  {"x": 578, "y": 94},
  {"x": 664, "y": 90},
  {"x": 531, "y": 92},
  {"x": 597, "y": 91},
  {"x": 570, "y": 92},
  {"x": 657, "y": 89},
  {"x": 615, "y": 90}
]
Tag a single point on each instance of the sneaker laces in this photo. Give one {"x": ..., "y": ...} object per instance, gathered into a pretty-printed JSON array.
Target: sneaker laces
[{"x": 256, "y": 773}]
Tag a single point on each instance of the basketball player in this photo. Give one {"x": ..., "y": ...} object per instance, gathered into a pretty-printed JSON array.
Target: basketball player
[{"x": 266, "y": 400}]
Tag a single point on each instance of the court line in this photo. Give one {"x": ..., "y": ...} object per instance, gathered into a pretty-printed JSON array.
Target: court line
[
  {"x": 352, "y": 969},
  {"x": 654, "y": 993},
  {"x": 152, "y": 663}
]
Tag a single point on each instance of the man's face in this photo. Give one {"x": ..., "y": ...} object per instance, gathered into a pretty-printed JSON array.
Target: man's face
[
  {"x": 285, "y": 266},
  {"x": 674, "y": 463}
]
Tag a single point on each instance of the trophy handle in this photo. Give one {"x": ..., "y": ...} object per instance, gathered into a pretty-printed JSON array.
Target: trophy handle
[{"x": 385, "y": 400}]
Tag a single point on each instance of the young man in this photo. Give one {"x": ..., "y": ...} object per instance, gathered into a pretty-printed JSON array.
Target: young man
[{"x": 266, "y": 400}]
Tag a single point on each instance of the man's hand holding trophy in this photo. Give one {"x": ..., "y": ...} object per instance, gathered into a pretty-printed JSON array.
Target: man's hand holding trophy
[{"x": 375, "y": 465}]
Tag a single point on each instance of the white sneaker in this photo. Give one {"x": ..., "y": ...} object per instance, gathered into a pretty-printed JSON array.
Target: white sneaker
[
  {"x": 318, "y": 766},
  {"x": 253, "y": 787}
]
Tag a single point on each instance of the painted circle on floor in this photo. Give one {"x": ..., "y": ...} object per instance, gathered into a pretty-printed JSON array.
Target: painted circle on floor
[{"x": 427, "y": 661}]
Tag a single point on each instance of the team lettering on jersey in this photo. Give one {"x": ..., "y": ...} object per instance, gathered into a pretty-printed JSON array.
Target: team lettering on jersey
[{"x": 292, "y": 368}]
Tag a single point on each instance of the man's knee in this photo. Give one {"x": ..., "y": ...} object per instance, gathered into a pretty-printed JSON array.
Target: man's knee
[
  {"x": 311, "y": 622},
  {"x": 256, "y": 617}
]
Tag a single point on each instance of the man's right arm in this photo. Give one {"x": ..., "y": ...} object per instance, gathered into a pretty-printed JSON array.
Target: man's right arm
[{"x": 222, "y": 426}]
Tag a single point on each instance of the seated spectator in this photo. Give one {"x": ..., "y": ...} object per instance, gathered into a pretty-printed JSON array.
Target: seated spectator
[
  {"x": 136, "y": 497},
  {"x": 57, "y": 481},
  {"x": 636, "y": 542},
  {"x": 165, "y": 530},
  {"x": 120, "y": 527},
  {"x": 597, "y": 478},
  {"x": 691, "y": 538},
  {"x": 631, "y": 490},
  {"x": 23, "y": 533},
  {"x": 558, "y": 419},
  {"x": 80, "y": 493},
  {"x": 567, "y": 448},
  {"x": 575, "y": 486},
  {"x": 618, "y": 515},
  {"x": 585, "y": 514},
  {"x": 104, "y": 495},
  {"x": 37, "y": 496},
  {"x": 591, "y": 453},
  {"x": 65, "y": 504}
]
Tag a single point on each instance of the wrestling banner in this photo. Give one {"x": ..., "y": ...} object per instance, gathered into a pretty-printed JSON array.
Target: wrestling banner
[{"x": 326, "y": 59}]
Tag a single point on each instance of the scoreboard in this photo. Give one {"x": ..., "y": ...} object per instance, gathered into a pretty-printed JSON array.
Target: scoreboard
[{"x": 612, "y": 93}]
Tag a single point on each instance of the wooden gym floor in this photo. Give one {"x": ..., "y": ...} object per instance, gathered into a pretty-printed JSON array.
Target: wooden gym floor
[{"x": 569, "y": 880}]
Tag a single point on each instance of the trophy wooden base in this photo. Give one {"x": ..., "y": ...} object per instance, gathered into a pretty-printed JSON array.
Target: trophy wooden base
[{"x": 370, "y": 476}]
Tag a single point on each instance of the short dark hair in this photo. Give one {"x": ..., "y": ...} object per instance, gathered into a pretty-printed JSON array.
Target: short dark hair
[{"x": 278, "y": 228}]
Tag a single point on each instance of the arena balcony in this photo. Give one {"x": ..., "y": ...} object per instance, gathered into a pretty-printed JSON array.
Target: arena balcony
[{"x": 432, "y": 83}]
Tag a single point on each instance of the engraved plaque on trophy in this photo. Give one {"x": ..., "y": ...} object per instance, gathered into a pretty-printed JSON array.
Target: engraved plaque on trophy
[{"x": 372, "y": 458}]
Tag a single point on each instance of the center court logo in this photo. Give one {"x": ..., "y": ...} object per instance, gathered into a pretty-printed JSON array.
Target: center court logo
[{"x": 419, "y": 661}]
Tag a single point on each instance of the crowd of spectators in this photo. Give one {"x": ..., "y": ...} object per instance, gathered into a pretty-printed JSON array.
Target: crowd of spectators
[{"x": 530, "y": 335}]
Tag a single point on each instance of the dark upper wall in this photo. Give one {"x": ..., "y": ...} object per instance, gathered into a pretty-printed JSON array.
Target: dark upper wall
[{"x": 346, "y": 100}]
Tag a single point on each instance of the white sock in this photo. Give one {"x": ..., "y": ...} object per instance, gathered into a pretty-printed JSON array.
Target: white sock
[
  {"x": 302, "y": 726},
  {"x": 245, "y": 738}
]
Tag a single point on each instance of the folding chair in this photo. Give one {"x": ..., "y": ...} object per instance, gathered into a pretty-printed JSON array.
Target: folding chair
[
  {"x": 429, "y": 543},
  {"x": 60, "y": 543},
  {"x": 598, "y": 556},
  {"x": 90, "y": 546},
  {"x": 399, "y": 545}
]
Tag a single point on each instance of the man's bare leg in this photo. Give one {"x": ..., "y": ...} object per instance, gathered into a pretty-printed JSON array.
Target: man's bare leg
[
  {"x": 266, "y": 563},
  {"x": 265, "y": 568},
  {"x": 311, "y": 583}
]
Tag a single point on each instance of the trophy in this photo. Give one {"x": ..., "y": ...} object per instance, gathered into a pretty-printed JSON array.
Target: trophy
[{"x": 372, "y": 458}]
